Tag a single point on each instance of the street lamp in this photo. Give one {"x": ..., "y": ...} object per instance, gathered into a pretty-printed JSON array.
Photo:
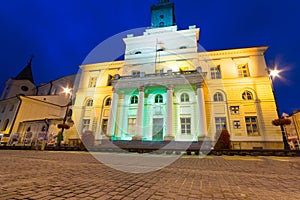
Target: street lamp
[
  {"x": 273, "y": 73},
  {"x": 64, "y": 126}
]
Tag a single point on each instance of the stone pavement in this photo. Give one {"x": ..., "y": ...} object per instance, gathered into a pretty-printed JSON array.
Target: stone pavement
[{"x": 78, "y": 175}]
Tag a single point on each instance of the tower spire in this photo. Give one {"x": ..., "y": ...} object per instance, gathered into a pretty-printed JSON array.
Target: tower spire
[{"x": 26, "y": 73}]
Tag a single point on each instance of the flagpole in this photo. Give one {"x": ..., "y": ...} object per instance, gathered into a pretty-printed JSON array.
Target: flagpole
[{"x": 155, "y": 56}]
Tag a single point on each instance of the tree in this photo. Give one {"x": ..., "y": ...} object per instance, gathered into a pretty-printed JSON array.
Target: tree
[{"x": 223, "y": 140}]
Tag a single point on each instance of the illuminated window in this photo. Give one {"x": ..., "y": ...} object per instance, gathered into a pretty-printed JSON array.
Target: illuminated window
[
  {"x": 251, "y": 125},
  {"x": 92, "y": 82},
  {"x": 89, "y": 102},
  {"x": 236, "y": 124},
  {"x": 134, "y": 100},
  {"x": 215, "y": 72},
  {"x": 5, "y": 124},
  {"x": 185, "y": 123},
  {"x": 220, "y": 123},
  {"x": 247, "y": 95},
  {"x": 234, "y": 110},
  {"x": 159, "y": 98},
  {"x": 218, "y": 96},
  {"x": 184, "y": 97},
  {"x": 243, "y": 70},
  {"x": 107, "y": 101},
  {"x": 131, "y": 125}
]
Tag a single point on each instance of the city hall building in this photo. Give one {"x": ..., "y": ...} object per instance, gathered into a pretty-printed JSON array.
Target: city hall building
[{"x": 168, "y": 88}]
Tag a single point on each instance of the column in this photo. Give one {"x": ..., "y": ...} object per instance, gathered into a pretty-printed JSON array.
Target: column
[
  {"x": 139, "y": 115},
  {"x": 120, "y": 117},
  {"x": 202, "y": 126},
  {"x": 169, "y": 114},
  {"x": 112, "y": 115}
]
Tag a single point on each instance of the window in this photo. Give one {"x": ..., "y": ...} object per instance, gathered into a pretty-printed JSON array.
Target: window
[
  {"x": 109, "y": 80},
  {"x": 11, "y": 107},
  {"x": 243, "y": 70},
  {"x": 234, "y": 110},
  {"x": 85, "y": 124},
  {"x": 159, "y": 98},
  {"x": 161, "y": 24},
  {"x": 159, "y": 70},
  {"x": 218, "y": 96},
  {"x": 184, "y": 97},
  {"x": 247, "y": 95},
  {"x": 3, "y": 109},
  {"x": 138, "y": 52},
  {"x": 89, "y": 102},
  {"x": 24, "y": 88},
  {"x": 131, "y": 125},
  {"x": 215, "y": 72},
  {"x": 134, "y": 100},
  {"x": 104, "y": 126},
  {"x": 136, "y": 73},
  {"x": 251, "y": 125},
  {"x": 43, "y": 128},
  {"x": 92, "y": 82},
  {"x": 107, "y": 101},
  {"x": 220, "y": 123},
  {"x": 5, "y": 124},
  {"x": 236, "y": 124},
  {"x": 185, "y": 123}
]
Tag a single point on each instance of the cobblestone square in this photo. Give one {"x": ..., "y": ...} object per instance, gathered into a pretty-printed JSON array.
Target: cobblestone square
[{"x": 78, "y": 175}]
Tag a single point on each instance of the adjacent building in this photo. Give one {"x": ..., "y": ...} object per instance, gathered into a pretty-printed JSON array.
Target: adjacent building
[{"x": 27, "y": 110}]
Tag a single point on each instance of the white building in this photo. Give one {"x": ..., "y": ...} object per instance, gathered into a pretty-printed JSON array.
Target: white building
[{"x": 165, "y": 89}]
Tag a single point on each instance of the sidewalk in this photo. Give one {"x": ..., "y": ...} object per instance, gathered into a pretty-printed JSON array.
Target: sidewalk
[{"x": 78, "y": 175}]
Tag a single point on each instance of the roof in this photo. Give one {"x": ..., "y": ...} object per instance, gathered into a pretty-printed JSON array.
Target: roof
[{"x": 26, "y": 73}]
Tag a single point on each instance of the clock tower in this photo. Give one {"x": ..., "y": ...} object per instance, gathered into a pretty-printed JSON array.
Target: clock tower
[{"x": 162, "y": 14}]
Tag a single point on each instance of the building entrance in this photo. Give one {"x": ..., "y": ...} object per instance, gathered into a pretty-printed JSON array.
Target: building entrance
[{"x": 157, "y": 131}]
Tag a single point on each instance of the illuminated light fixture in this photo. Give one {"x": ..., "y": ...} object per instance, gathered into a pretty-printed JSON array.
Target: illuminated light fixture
[
  {"x": 274, "y": 73},
  {"x": 67, "y": 90}
]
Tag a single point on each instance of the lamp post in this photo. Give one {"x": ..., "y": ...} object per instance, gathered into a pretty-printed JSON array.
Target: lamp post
[
  {"x": 64, "y": 126},
  {"x": 273, "y": 73}
]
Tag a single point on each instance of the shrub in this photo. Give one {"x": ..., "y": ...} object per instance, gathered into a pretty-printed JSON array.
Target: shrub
[
  {"x": 282, "y": 121},
  {"x": 88, "y": 138},
  {"x": 223, "y": 140}
]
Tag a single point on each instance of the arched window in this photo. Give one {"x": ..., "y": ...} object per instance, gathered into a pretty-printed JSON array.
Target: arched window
[
  {"x": 247, "y": 95},
  {"x": 184, "y": 97},
  {"x": 107, "y": 101},
  {"x": 159, "y": 98},
  {"x": 89, "y": 102},
  {"x": 218, "y": 96},
  {"x": 5, "y": 124},
  {"x": 134, "y": 100}
]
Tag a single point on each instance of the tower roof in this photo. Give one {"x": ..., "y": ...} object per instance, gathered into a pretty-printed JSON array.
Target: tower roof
[{"x": 26, "y": 73}]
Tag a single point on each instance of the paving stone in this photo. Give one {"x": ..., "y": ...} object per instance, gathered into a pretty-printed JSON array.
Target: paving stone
[{"x": 77, "y": 175}]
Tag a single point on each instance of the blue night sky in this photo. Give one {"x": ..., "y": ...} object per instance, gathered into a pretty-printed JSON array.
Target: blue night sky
[{"x": 61, "y": 33}]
